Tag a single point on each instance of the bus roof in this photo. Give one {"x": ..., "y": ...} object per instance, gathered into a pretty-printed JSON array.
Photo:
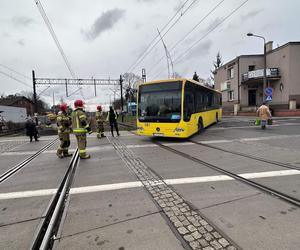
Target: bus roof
[{"x": 178, "y": 79}]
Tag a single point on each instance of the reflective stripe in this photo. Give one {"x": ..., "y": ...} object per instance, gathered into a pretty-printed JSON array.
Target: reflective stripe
[
  {"x": 80, "y": 130},
  {"x": 81, "y": 116},
  {"x": 82, "y": 151},
  {"x": 77, "y": 121}
]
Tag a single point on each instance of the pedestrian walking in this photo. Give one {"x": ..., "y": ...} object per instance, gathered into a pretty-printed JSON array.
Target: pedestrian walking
[
  {"x": 264, "y": 114},
  {"x": 112, "y": 118},
  {"x": 31, "y": 129},
  {"x": 100, "y": 122},
  {"x": 80, "y": 128},
  {"x": 64, "y": 123}
]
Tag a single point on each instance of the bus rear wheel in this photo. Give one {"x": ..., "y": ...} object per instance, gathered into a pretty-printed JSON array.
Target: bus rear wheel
[{"x": 200, "y": 125}]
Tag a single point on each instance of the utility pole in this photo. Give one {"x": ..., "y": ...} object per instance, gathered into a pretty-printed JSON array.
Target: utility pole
[
  {"x": 67, "y": 95},
  {"x": 34, "y": 98},
  {"x": 95, "y": 87},
  {"x": 121, "y": 86},
  {"x": 144, "y": 75},
  {"x": 265, "y": 84},
  {"x": 168, "y": 56}
]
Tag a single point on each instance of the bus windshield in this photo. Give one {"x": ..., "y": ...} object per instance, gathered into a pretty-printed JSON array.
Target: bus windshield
[{"x": 160, "y": 102}]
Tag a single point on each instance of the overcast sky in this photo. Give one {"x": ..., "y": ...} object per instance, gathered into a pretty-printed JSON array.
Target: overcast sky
[{"x": 102, "y": 39}]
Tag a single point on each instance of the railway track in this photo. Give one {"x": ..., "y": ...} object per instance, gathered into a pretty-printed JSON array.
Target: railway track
[
  {"x": 48, "y": 228},
  {"x": 280, "y": 164},
  {"x": 261, "y": 187},
  {"x": 10, "y": 172},
  {"x": 12, "y": 132}
]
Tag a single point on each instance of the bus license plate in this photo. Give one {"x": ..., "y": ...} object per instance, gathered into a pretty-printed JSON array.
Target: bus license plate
[{"x": 158, "y": 134}]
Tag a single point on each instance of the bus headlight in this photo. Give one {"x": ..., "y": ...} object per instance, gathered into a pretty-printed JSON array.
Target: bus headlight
[
  {"x": 178, "y": 130},
  {"x": 140, "y": 128}
]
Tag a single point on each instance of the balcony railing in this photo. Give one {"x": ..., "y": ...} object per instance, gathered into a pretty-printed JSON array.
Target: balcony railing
[{"x": 258, "y": 74}]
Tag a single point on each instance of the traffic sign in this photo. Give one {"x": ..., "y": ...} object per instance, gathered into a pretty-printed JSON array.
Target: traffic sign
[
  {"x": 269, "y": 98},
  {"x": 268, "y": 91}
]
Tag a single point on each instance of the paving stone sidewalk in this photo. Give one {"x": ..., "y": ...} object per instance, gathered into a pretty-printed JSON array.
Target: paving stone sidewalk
[{"x": 190, "y": 225}]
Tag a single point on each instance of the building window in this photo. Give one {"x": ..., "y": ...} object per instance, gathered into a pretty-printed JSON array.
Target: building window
[
  {"x": 230, "y": 73},
  {"x": 230, "y": 95},
  {"x": 251, "y": 67}
]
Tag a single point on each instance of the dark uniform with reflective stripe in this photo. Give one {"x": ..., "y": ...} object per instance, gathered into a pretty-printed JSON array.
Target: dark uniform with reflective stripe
[
  {"x": 100, "y": 124},
  {"x": 64, "y": 129},
  {"x": 80, "y": 128}
]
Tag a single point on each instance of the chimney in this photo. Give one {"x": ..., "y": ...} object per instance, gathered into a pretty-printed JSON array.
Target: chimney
[{"x": 269, "y": 46}]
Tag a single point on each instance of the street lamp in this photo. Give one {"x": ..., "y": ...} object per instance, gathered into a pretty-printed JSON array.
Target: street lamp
[{"x": 265, "y": 62}]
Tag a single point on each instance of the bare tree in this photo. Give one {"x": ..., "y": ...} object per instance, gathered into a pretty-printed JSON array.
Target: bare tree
[
  {"x": 42, "y": 105},
  {"x": 177, "y": 75},
  {"x": 216, "y": 64},
  {"x": 130, "y": 85}
]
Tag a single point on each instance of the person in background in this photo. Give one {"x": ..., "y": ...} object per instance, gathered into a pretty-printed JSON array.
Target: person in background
[
  {"x": 264, "y": 114},
  {"x": 80, "y": 128},
  {"x": 112, "y": 118},
  {"x": 2, "y": 123},
  {"x": 196, "y": 77},
  {"x": 63, "y": 121},
  {"x": 100, "y": 122},
  {"x": 31, "y": 129}
]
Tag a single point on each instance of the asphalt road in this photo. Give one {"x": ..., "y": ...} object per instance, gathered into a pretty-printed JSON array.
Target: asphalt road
[{"x": 136, "y": 194}]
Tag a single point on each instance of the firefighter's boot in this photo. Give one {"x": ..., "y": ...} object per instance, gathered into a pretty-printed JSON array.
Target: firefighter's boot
[
  {"x": 59, "y": 153},
  {"x": 66, "y": 153},
  {"x": 85, "y": 156}
]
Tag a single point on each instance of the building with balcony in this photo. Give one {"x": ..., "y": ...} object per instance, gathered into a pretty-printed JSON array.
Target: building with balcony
[{"x": 241, "y": 79}]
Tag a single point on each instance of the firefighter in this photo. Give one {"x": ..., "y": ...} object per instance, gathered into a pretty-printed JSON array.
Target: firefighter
[
  {"x": 80, "y": 128},
  {"x": 100, "y": 122},
  {"x": 63, "y": 121}
]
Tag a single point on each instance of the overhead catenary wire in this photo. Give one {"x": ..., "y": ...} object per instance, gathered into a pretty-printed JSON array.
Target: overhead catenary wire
[
  {"x": 16, "y": 79},
  {"x": 163, "y": 35},
  {"x": 39, "y": 94},
  {"x": 50, "y": 28},
  {"x": 12, "y": 70},
  {"x": 171, "y": 19},
  {"x": 182, "y": 55},
  {"x": 186, "y": 35}
]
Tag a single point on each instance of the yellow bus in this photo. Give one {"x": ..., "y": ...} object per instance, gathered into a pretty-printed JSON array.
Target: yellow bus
[{"x": 176, "y": 108}]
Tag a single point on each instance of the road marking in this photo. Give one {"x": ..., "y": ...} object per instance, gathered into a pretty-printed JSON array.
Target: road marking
[
  {"x": 27, "y": 194},
  {"x": 253, "y": 126},
  {"x": 135, "y": 184},
  {"x": 23, "y": 139},
  {"x": 106, "y": 187}
]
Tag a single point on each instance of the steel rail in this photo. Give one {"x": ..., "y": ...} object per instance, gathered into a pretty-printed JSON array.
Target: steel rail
[
  {"x": 261, "y": 187},
  {"x": 281, "y": 164},
  {"x": 49, "y": 224},
  {"x": 22, "y": 164},
  {"x": 12, "y": 132}
]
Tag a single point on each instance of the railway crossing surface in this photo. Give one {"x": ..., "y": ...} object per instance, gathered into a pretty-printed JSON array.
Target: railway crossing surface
[{"x": 234, "y": 186}]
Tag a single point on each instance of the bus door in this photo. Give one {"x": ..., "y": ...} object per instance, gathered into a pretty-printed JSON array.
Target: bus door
[{"x": 189, "y": 107}]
